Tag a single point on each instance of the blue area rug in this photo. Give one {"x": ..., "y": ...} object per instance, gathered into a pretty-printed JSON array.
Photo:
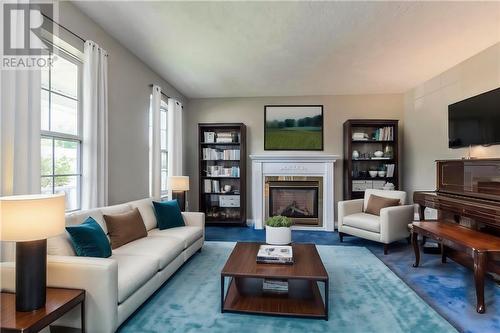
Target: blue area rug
[
  {"x": 447, "y": 288},
  {"x": 365, "y": 296}
]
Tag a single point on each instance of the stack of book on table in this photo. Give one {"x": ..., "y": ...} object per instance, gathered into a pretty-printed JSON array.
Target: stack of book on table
[
  {"x": 273, "y": 254},
  {"x": 275, "y": 286}
]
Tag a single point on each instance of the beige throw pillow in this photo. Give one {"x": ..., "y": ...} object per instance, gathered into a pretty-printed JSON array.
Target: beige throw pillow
[
  {"x": 376, "y": 203},
  {"x": 124, "y": 228}
]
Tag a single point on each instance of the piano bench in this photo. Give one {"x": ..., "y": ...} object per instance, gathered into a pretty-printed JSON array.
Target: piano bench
[{"x": 470, "y": 248}]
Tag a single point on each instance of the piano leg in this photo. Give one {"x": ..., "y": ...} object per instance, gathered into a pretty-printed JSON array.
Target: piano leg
[
  {"x": 414, "y": 240},
  {"x": 443, "y": 254},
  {"x": 480, "y": 261}
]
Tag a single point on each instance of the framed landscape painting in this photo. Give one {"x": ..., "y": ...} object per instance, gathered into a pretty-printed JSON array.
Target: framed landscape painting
[{"x": 293, "y": 127}]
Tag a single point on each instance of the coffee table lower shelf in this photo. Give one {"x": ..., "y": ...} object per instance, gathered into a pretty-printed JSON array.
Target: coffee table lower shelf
[{"x": 245, "y": 295}]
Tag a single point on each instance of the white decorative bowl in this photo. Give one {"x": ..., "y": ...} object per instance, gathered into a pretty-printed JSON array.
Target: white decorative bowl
[
  {"x": 373, "y": 173},
  {"x": 381, "y": 173},
  {"x": 378, "y": 153}
]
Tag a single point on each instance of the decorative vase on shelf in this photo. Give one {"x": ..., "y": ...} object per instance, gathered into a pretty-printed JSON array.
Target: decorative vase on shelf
[
  {"x": 355, "y": 154},
  {"x": 278, "y": 231}
]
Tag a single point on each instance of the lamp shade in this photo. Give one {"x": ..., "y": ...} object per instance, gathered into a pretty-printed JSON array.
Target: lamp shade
[
  {"x": 178, "y": 183},
  {"x": 31, "y": 217}
]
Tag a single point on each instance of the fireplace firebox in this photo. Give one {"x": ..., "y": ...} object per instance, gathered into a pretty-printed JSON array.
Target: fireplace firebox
[{"x": 297, "y": 198}]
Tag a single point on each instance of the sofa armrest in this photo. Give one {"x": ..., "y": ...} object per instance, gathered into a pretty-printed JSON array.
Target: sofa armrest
[
  {"x": 394, "y": 223},
  {"x": 195, "y": 219},
  {"x": 99, "y": 278},
  {"x": 348, "y": 207}
]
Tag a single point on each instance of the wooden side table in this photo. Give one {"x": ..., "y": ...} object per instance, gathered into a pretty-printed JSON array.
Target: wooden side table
[{"x": 59, "y": 302}]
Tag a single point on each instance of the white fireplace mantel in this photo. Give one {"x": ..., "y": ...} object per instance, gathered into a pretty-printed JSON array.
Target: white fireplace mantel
[{"x": 321, "y": 165}]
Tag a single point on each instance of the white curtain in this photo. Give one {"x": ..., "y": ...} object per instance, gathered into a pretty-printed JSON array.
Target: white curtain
[
  {"x": 175, "y": 147},
  {"x": 19, "y": 137},
  {"x": 155, "y": 145},
  {"x": 95, "y": 127}
]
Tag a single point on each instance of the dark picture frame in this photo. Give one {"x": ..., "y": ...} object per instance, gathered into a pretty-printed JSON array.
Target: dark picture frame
[{"x": 294, "y": 127}]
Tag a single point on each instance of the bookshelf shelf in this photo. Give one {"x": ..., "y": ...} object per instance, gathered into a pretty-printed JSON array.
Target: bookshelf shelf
[
  {"x": 228, "y": 160},
  {"x": 372, "y": 141},
  {"x": 218, "y": 177},
  {"x": 219, "y": 143},
  {"x": 375, "y": 134}
]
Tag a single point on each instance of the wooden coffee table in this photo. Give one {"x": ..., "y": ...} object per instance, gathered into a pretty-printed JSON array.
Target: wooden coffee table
[{"x": 245, "y": 294}]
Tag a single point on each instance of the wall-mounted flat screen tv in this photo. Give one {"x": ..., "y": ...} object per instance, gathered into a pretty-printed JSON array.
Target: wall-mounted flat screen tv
[{"x": 475, "y": 120}]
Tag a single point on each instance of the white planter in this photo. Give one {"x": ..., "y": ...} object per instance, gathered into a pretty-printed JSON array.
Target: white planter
[{"x": 278, "y": 236}]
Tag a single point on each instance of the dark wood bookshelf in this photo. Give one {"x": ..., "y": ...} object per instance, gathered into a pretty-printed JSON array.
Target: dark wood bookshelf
[
  {"x": 209, "y": 202},
  {"x": 354, "y": 167}
]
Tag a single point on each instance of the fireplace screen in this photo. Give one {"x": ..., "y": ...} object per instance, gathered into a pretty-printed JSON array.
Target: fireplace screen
[{"x": 295, "y": 199}]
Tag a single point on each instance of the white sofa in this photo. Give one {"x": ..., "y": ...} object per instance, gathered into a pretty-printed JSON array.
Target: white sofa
[
  {"x": 390, "y": 226},
  {"x": 118, "y": 285}
]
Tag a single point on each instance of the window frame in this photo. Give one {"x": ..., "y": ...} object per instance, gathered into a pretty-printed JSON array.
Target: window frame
[{"x": 54, "y": 135}]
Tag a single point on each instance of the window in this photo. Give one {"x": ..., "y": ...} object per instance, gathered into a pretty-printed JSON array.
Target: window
[
  {"x": 163, "y": 145},
  {"x": 61, "y": 129}
]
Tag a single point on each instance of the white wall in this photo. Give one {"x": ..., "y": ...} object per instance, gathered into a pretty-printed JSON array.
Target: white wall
[
  {"x": 128, "y": 80},
  {"x": 426, "y": 117},
  {"x": 250, "y": 111}
]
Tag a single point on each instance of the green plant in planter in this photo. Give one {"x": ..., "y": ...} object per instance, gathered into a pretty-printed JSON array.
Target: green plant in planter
[{"x": 279, "y": 222}]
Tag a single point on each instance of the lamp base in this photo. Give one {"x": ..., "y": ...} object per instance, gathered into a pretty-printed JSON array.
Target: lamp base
[
  {"x": 180, "y": 196},
  {"x": 31, "y": 275}
]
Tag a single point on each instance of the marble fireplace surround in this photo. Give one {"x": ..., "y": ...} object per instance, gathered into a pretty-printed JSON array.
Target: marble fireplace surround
[{"x": 319, "y": 165}]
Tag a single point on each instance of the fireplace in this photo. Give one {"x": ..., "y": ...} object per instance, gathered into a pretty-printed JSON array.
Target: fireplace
[
  {"x": 296, "y": 197},
  {"x": 278, "y": 172}
]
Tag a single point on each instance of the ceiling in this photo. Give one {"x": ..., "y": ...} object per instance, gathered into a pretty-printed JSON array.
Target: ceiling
[{"x": 237, "y": 49}]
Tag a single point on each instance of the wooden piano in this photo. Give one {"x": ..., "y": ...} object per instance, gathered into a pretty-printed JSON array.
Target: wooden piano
[{"x": 467, "y": 200}]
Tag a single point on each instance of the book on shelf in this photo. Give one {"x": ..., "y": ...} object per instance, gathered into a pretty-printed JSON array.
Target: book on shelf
[
  {"x": 274, "y": 254},
  {"x": 390, "y": 170},
  {"x": 226, "y": 137},
  {"x": 275, "y": 286},
  {"x": 215, "y": 186},
  {"x": 211, "y": 154},
  {"x": 207, "y": 186},
  {"x": 384, "y": 134},
  {"x": 222, "y": 171}
]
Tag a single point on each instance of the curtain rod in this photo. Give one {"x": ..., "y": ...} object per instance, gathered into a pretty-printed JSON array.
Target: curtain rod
[
  {"x": 62, "y": 26},
  {"x": 151, "y": 86}
]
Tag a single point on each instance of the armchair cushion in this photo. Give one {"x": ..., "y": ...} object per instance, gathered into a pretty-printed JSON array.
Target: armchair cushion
[
  {"x": 401, "y": 195},
  {"x": 363, "y": 221},
  {"x": 376, "y": 203}
]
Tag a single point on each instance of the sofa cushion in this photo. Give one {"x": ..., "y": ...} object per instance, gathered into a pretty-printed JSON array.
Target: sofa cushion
[
  {"x": 96, "y": 213},
  {"x": 363, "y": 221},
  {"x": 376, "y": 203},
  {"x": 163, "y": 249},
  {"x": 146, "y": 209},
  {"x": 125, "y": 228},
  {"x": 133, "y": 272},
  {"x": 89, "y": 240},
  {"x": 188, "y": 234},
  {"x": 168, "y": 214},
  {"x": 60, "y": 245}
]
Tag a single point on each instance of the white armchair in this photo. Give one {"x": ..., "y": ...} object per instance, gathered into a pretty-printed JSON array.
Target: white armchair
[{"x": 390, "y": 226}]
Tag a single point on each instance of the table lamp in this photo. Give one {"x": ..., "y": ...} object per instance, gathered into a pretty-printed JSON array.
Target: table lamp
[
  {"x": 179, "y": 185},
  {"x": 29, "y": 220}
]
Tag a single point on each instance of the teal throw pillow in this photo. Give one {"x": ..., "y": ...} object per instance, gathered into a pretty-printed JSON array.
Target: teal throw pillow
[
  {"x": 89, "y": 240},
  {"x": 168, "y": 214}
]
